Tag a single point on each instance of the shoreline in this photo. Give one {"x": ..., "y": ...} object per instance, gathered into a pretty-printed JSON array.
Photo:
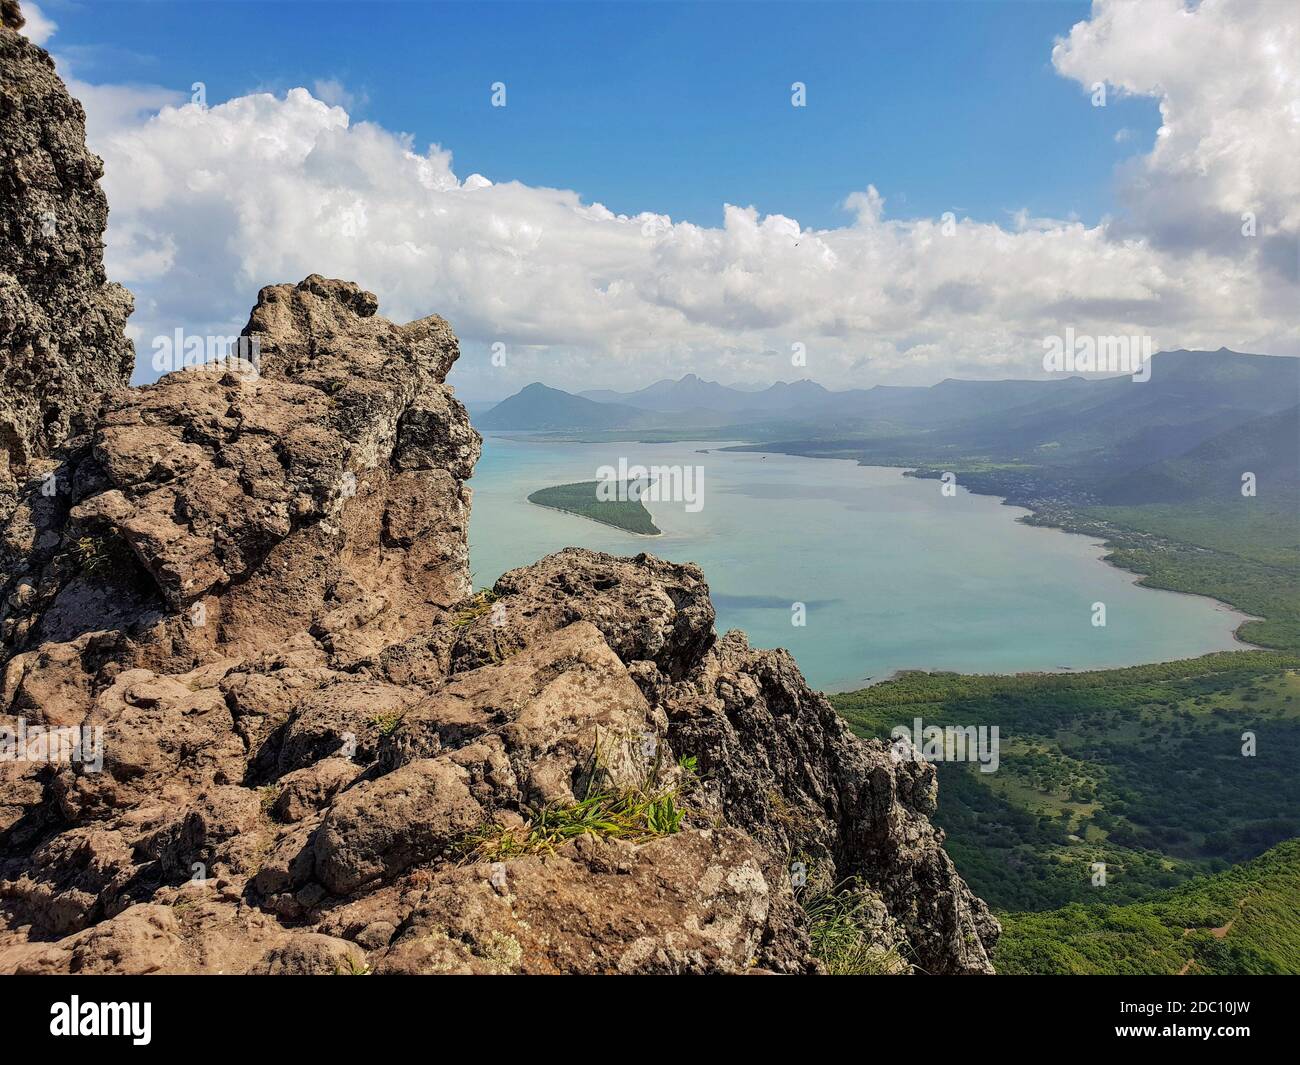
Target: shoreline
[
  {"x": 1107, "y": 556},
  {"x": 1059, "y": 671},
  {"x": 1104, "y": 556}
]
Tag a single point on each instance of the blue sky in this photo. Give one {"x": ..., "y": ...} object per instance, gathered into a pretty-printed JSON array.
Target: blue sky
[
  {"x": 670, "y": 107},
  {"x": 649, "y": 203}
]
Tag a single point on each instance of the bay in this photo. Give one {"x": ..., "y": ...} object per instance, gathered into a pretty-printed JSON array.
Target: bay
[{"x": 891, "y": 573}]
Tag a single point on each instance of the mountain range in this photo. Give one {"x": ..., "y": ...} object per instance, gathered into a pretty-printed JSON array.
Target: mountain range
[
  {"x": 1200, "y": 421},
  {"x": 1220, "y": 383}
]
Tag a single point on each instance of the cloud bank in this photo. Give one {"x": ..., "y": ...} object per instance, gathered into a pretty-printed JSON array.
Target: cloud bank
[
  {"x": 39, "y": 28},
  {"x": 210, "y": 203}
]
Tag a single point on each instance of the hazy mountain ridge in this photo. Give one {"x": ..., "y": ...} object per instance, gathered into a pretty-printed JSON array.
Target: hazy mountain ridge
[
  {"x": 1190, "y": 431},
  {"x": 540, "y": 407},
  {"x": 1266, "y": 447},
  {"x": 1218, "y": 388}
]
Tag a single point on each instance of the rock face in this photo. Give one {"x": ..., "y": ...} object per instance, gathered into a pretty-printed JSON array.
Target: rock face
[
  {"x": 62, "y": 341},
  {"x": 263, "y": 726},
  {"x": 319, "y": 751}
]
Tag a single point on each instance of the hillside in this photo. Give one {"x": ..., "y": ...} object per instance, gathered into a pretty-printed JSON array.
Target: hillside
[
  {"x": 1141, "y": 768},
  {"x": 1118, "y": 423},
  {"x": 1268, "y": 447},
  {"x": 1072, "y": 435},
  {"x": 539, "y": 407},
  {"x": 1243, "y": 921}
]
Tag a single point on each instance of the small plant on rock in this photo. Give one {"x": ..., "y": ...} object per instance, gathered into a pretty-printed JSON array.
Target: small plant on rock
[
  {"x": 844, "y": 926},
  {"x": 92, "y": 554},
  {"x": 478, "y": 605},
  {"x": 387, "y": 723}
]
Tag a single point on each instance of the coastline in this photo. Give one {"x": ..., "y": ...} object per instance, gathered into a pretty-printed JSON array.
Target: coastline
[
  {"x": 1092, "y": 548},
  {"x": 1104, "y": 555},
  {"x": 1060, "y": 671}
]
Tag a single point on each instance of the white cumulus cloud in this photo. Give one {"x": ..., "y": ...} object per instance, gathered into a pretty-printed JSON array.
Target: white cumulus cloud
[
  {"x": 208, "y": 204},
  {"x": 39, "y": 27},
  {"x": 1227, "y": 76}
]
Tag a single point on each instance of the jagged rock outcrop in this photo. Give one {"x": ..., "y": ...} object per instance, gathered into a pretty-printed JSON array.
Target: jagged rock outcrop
[
  {"x": 315, "y": 741},
  {"x": 63, "y": 345},
  {"x": 294, "y": 742}
]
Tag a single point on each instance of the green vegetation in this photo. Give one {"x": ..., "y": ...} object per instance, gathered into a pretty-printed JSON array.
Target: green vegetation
[
  {"x": 843, "y": 925},
  {"x": 94, "y": 555},
  {"x": 350, "y": 966},
  {"x": 479, "y": 604},
  {"x": 1242, "y": 921},
  {"x": 387, "y": 722},
  {"x": 270, "y": 795},
  {"x": 654, "y": 808},
  {"x": 1245, "y": 553},
  {"x": 1140, "y": 768},
  {"x": 634, "y": 816},
  {"x": 628, "y": 514}
]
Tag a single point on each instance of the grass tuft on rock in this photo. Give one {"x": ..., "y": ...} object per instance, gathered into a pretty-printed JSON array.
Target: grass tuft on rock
[
  {"x": 479, "y": 604},
  {"x": 844, "y": 929},
  {"x": 93, "y": 555},
  {"x": 634, "y": 816}
]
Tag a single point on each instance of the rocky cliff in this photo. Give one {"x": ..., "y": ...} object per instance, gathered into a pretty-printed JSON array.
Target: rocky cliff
[
  {"x": 62, "y": 324},
  {"x": 262, "y": 723}
]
